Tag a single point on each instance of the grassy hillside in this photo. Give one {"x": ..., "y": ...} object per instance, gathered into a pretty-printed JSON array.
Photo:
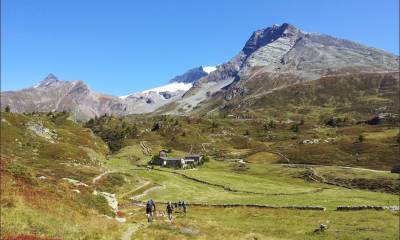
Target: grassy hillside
[
  {"x": 359, "y": 96},
  {"x": 35, "y": 199}
]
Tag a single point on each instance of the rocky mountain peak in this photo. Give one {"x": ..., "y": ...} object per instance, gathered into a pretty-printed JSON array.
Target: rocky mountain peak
[
  {"x": 268, "y": 35},
  {"x": 50, "y": 79}
]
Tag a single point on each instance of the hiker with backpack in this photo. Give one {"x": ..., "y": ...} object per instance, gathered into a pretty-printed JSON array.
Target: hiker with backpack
[
  {"x": 170, "y": 209},
  {"x": 184, "y": 207},
  {"x": 150, "y": 209}
]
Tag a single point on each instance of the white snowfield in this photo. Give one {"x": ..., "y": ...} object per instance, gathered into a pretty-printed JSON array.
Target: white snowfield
[{"x": 209, "y": 69}]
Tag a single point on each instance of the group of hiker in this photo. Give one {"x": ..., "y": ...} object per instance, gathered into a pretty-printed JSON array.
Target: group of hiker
[{"x": 151, "y": 209}]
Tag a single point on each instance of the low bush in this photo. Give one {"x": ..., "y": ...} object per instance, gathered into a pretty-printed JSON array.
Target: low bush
[
  {"x": 98, "y": 203},
  {"x": 21, "y": 172}
]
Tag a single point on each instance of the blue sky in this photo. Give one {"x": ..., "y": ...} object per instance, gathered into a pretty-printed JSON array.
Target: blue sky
[{"x": 121, "y": 46}]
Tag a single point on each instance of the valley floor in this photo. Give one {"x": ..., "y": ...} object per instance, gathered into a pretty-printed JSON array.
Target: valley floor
[{"x": 270, "y": 184}]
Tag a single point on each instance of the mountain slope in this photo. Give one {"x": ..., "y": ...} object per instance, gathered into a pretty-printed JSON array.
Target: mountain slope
[
  {"x": 53, "y": 94},
  {"x": 357, "y": 97}
]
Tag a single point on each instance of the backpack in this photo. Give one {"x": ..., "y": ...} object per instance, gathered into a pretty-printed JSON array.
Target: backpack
[{"x": 149, "y": 204}]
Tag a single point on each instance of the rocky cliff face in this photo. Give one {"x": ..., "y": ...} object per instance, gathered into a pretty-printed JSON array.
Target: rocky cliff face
[{"x": 272, "y": 58}]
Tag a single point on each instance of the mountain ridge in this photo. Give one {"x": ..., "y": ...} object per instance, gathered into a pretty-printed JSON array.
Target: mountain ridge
[{"x": 273, "y": 57}]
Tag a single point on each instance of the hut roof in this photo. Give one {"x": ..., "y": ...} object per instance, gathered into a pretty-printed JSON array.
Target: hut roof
[{"x": 170, "y": 158}]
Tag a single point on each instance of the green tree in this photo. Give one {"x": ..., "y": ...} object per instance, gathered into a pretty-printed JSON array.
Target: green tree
[{"x": 7, "y": 109}]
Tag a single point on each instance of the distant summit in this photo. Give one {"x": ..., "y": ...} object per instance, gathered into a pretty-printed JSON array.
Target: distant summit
[{"x": 193, "y": 75}]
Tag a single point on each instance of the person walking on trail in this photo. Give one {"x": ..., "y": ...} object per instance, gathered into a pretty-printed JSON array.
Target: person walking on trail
[
  {"x": 150, "y": 209},
  {"x": 184, "y": 207},
  {"x": 170, "y": 209},
  {"x": 179, "y": 205}
]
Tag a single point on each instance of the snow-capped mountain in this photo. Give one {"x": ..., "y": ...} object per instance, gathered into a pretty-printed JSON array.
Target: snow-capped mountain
[
  {"x": 176, "y": 86},
  {"x": 152, "y": 99}
]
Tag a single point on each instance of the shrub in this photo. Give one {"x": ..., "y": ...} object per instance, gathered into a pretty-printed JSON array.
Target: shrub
[
  {"x": 111, "y": 182},
  {"x": 332, "y": 121},
  {"x": 271, "y": 124},
  {"x": 214, "y": 125},
  {"x": 295, "y": 128},
  {"x": 206, "y": 158},
  {"x": 7, "y": 109}
]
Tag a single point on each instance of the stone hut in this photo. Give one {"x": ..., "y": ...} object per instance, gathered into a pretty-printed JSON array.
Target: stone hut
[{"x": 168, "y": 162}]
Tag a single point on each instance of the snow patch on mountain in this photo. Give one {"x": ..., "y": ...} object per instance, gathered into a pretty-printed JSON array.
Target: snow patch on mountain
[
  {"x": 171, "y": 87},
  {"x": 209, "y": 69}
]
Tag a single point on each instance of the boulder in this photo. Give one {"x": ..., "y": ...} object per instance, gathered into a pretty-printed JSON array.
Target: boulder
[{"x": 395, "y": 169}]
